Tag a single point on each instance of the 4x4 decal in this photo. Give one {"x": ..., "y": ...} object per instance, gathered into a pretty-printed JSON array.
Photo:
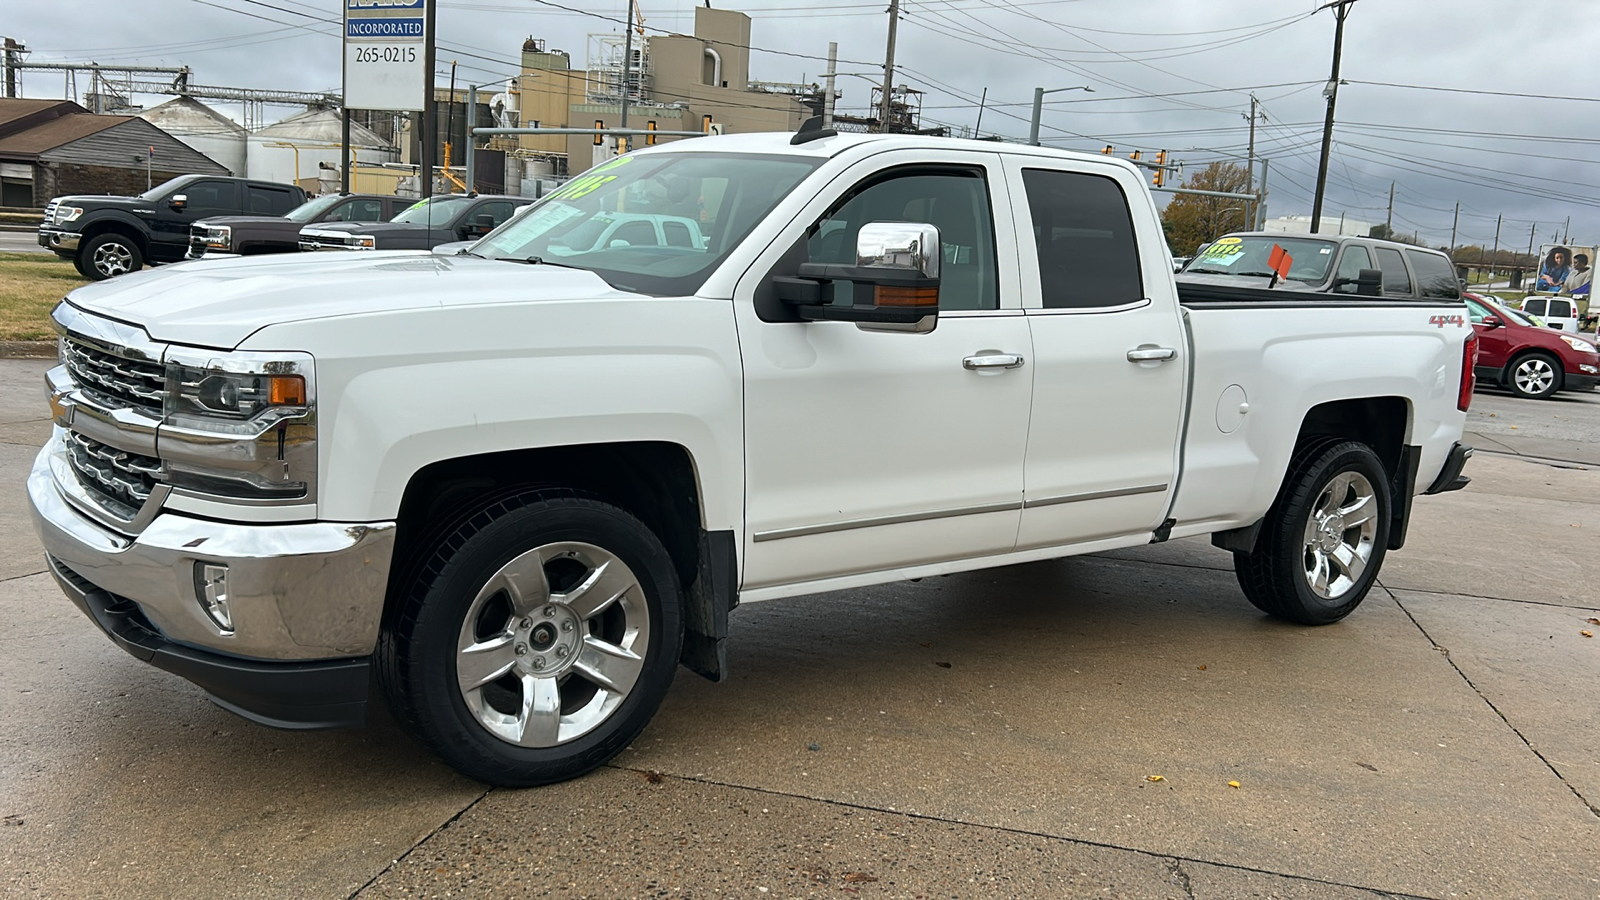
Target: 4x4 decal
[{"x": 1459, "y": 321}]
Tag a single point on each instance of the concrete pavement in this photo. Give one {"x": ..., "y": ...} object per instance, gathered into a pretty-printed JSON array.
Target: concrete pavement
[{"x": 989, "y": 734}]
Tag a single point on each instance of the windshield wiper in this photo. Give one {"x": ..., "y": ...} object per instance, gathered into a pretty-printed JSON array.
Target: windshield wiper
[
  {"x": 1261, "y": 274},
  {"x": 465, "y": 252},
  {"x": 1206, "y": 272},
  {"x": 539, "y": 261}
]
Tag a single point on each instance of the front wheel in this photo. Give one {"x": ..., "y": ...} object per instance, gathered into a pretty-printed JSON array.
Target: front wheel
[
  {"x": 108, "y": 255},
  {"x": 538, "y": 640},
  {"x": 1324, "y": 538},
  {"x": 1535, "y": 376}
]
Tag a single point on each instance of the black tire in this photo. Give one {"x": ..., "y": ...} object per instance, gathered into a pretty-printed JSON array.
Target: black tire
[
  {"x": 423, "y": 643},
  {"x": 109, "y": 254},
  {"x": 1280, "y": 575},
  {"x": 1536, "y": 376}
]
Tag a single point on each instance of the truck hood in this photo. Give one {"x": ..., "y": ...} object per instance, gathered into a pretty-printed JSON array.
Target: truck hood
[
  {"x": 245, "y": 220},
  {"x": 102, "y": 201},
  {"x": 378, "y": 227},
  {"x": 218, "y": 303}
]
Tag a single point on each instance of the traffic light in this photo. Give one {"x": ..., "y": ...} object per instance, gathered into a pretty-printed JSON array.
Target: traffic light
[
  {"x": 650, "y": 139},
  {"x": 622, "y": 144},
  {"x": 1109, "y": 150},
  {"x": 1161, "y": 157},
  {"x": 1135, "y": 155},
  {"x": 1160, "y": 176},
  {"x": 599, "y": 125}
]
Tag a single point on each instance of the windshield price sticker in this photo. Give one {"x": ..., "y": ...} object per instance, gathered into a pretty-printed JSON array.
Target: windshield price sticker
[
  {"x": 384, "y": 54},
  {"x": 1225, "y": 252}
]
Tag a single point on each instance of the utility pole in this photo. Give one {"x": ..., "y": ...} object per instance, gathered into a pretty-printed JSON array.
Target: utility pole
[
  {"x": 982, "y": 101},
  {"x": 1497, "y": 220},
  {"x": 1453, "y": 223},
  {"x": 1250, "y": 154},
  {"x": 627, "y": 62},
  {"x": 1261, "y": 197},
  {"x": 1531, "y": 230},
  {"x": 1566, "y": 231},
  {"x": 888, "y": 68},
  {"x": 1341, "y": 9},
  {"x": 344, "y": 150},
  {"x": 429, "y": 119},
  {"x": 1388, "y": 223},
  {"x": 827, "y": 99},
  {"x": 15, "y": 52}
]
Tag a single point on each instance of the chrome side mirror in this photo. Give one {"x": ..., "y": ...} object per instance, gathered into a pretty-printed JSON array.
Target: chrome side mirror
[
  {"x": 899, "y": 245},
  {"x": 178, "y": 201}
]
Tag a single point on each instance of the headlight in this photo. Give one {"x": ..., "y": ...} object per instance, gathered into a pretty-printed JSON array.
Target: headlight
[
  {"x": 240, "y": 425},
  {"x": 68, "y": 214},
  {"x": 219, "y": 237},
  {"x": 1578, "y": 345}
]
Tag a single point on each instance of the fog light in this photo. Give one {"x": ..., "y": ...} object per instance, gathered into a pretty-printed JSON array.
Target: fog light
[
  {"x": 211, "y": 589},
  {"x": 1587, "y": 370}
]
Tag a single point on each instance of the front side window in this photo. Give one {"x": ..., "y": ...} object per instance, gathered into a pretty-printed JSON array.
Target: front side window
[
  {"x": 310, "y": 209},
  {"x": 727, "y": 194},
  {"x": 1436, "y": 278},
  {"x": 435, "y": 211},
  {"x": 955, "y": 201},
  {"x": 1395, "y": 279},
  {"x": 212, "y": 198},
  {"x": 1355, "y": 259},
  {"x": 1084, "y": 233},
  {"x": 1477, "y": 312}
]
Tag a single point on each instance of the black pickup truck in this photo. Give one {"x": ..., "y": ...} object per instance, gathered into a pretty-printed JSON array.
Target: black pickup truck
[
  {"x": 422, "y": 226},
  {"x": 106, "y": 236},
  {"x": 249, "y": 235}
]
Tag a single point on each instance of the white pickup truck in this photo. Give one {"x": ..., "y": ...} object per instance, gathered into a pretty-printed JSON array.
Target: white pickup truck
[{"x": 522, "y": 491}]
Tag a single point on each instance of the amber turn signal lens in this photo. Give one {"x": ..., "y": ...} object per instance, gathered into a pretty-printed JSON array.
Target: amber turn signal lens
[
  {"x": 288, "y": 390},
  {"x": 889, "y": 295}
]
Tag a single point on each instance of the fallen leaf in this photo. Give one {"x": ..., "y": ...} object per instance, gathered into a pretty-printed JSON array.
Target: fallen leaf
[
  {"x": 1594, "y": 621},
  {"x": 653, "y": 777},
  {"x": 1587, "y": 633},
  {"x": 1154, "y": 778},
  {"x": 1202, "y": 668},
  {"x": 859, "y": 877},
  {"x": 942, "y": 665},
  {"x": 1233, "y": 784},
  {"x": 924, "y": 643}
]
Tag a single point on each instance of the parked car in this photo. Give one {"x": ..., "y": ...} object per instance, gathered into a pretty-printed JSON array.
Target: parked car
[
  {"x": 630, "y": 230},
  {"x": 1560, "y": 313},
  {"x": 520, "y": 493},
  {"x": 1331, "y": 265},
  {"x": 106, "y": 236},
  {"x": 422, "y": 226},
  {"x": 250, "y": 235},
  {"x": 1530, "y": 361}
]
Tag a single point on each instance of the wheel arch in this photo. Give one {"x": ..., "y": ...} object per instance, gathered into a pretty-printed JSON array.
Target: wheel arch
[
  {"x": 1508, "y": 374},
  {"x": 655, "y": 481},
  {"x": 126, "y": 227}
]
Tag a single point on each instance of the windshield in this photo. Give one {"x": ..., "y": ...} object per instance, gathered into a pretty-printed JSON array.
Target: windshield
[
  {"x": 1250, "y": 255},
  {"x": 434, "y": 210},
  {"x": 310, "y": 209},
  {"x": 655, "y": 224}
]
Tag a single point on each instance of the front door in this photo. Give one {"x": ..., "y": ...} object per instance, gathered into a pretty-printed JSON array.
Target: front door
[
  {"x": 870, "y": 451},
  {"x": 1110, "y": 354}
]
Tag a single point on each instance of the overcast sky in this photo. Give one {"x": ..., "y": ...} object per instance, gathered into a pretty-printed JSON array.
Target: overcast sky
[{"x": 1167, "y": 74}]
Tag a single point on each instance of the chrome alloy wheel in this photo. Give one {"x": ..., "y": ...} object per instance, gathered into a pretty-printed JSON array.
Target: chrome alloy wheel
[
  {"x": 552, "y": 644},
  {"x": 1534, "y": 375},
  {"x": 112, "y": 258},
  {"x": 1339, "y": 535}
]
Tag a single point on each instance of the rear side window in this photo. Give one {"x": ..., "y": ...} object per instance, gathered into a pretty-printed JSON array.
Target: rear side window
[
  {"x": 1084, "y": 234},
  {"x": 1560, "y": 309},
  {"x": 1395, "y": 279},
  {"x": 265, "y": 201},
  {"x": 1436, "y": 278},
  {"x": 1355, "y": 259}
]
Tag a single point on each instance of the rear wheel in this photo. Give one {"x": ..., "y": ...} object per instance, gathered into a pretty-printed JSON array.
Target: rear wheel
[
  {"x": 538, "y": 640},
  {"x": 1536, "y": 376},
  {"x": 1324, "y": 538}
]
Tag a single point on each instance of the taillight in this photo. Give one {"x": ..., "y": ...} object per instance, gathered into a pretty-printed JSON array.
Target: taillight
[{"x": 1469, "y": 360}]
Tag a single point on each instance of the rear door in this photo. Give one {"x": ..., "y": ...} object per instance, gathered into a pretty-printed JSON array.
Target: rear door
[
  {"x": 1109, "y": 354},
  {"x": 1396, "y": 280}
]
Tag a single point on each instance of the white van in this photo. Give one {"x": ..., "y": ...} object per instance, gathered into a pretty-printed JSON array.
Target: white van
[{"x": 1560, "y": 313}]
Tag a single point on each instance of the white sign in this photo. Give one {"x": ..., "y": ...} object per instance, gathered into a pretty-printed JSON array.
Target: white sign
[{"x": 385, "y": 66}]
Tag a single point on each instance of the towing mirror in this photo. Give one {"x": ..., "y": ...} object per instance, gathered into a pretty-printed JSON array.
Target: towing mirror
[
  {"x": 178, "y": 201},
  {"x": 894, "y": 285},
  {"x": 1368, "y": 282}
]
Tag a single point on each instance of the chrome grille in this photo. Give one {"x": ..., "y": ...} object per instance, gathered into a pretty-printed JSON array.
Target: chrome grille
[
  {"x": 50, "y": 212},
  {"x": 116, "y": 380},
  {"x": 116, "y": 475}
]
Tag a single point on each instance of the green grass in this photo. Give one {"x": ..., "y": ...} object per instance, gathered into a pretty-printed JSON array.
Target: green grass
[{"x": 31, "y": 284}]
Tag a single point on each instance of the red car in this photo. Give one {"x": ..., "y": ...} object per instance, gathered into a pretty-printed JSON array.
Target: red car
[{"x": 1535, "y": 362}]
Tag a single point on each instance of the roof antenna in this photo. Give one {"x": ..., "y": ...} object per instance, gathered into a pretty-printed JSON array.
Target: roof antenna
[{"x": 812, "y": 130}]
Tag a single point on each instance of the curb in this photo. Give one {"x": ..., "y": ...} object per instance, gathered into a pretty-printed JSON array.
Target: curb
[{"x": 27, "y": 349}]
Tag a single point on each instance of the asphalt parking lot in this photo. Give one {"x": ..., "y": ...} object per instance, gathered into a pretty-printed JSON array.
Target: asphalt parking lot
[{"x": 992, "y": 734}]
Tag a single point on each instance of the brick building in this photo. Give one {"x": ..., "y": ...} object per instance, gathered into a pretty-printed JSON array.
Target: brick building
[{"x": 51, "y": 148}]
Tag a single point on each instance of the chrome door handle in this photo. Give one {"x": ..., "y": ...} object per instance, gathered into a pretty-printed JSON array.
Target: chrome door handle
[
  {"x": 1151, "y": 354},
  {"x": 993, "y": 361}
]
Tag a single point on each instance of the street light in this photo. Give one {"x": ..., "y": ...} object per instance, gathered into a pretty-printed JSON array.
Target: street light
[
  {"x": 1216, "y": 218},
  {"x": 1038, "y": 107}
]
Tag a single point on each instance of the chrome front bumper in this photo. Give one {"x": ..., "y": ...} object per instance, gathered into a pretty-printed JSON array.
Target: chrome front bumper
[
  {"x": 58, "y": 240},
  {"x": 296, "y": 591}
]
